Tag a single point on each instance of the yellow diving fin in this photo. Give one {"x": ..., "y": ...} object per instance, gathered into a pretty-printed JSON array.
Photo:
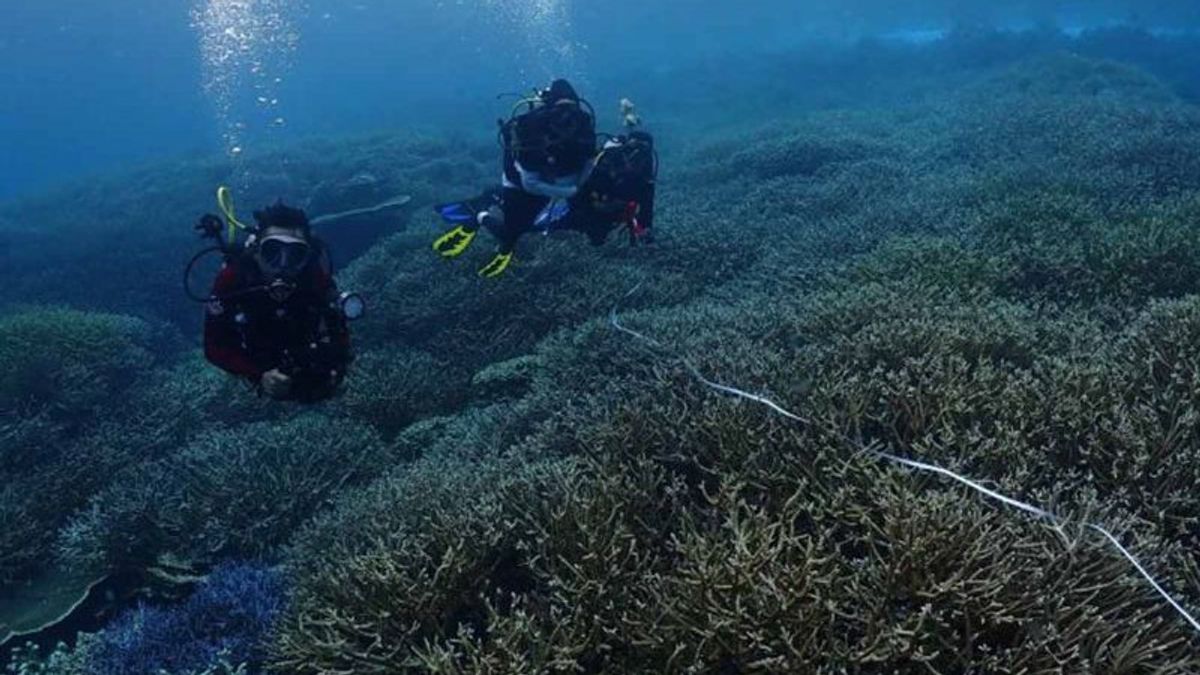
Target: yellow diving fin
[
  {"x": 453, "y": 243},
  {"x": 497, "y": 266}
]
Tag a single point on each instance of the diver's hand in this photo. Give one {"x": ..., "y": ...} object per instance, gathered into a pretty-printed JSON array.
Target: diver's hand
[{"x": 276, "y": 385}]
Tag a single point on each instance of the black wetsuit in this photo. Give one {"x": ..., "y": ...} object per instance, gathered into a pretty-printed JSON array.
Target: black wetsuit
[
  {"x": 547, "y": 155},
  {"x": 519, "y": 203},
  {"x": 619, "y": 191}
]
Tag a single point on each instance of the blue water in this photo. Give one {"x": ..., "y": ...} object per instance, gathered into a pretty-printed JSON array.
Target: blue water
[{"x": 91, "y": 86}]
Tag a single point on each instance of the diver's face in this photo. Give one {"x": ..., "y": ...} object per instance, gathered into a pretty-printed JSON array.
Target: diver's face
[{"x": 282, "y": 252}]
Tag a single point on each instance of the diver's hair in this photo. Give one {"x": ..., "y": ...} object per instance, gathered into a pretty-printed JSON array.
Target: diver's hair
[{"x": 280, "y": 215}]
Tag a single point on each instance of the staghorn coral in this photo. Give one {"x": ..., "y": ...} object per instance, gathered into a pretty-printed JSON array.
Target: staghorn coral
[
  {"x": 954, "y": 367},
  {"x": 23, "y": 440},
  {"x": 23, "y": 537},
  {"x": 199, "y": 501},
  {"x": 510, "y": 379},
  {"x": 226, "y": 620},
  {"x": 126, "y": 526},
  {"x": 60, "y": 443},
  {"x": 66, "y": 361},
  {"x": 244, "y": 492},
  {"x": 633, "y": 572},
  {"x": 393, "y": 388},
  {"x": 414, "y": 569},
  {"x": 998, "y": 278}
]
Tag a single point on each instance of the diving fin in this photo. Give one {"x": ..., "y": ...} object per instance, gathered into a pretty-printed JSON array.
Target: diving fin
[
  {"x": 497, "y": 266},
  {"x": 453, "y": 243},
  {"x": 468, "y": 210},
  {"x": 456, "y": 213}
]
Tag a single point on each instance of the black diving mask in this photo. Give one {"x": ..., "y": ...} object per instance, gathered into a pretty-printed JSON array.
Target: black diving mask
[{"x": 283, "y": 255}]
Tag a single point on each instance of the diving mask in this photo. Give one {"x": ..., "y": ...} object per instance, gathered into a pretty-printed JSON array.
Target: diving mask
[{"x": 283, "y": 255}]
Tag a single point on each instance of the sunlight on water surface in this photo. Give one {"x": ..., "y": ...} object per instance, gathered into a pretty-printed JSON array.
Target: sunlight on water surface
[{"x": 247, "y": 47}]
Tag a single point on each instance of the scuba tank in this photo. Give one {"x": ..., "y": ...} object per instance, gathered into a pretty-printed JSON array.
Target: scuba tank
[
  {"x": 626, "y": 164},
  {"x": 552, "y": 133}
]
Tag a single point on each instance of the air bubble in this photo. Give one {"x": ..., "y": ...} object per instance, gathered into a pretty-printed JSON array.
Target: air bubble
[{"x": 246, "y": 46}]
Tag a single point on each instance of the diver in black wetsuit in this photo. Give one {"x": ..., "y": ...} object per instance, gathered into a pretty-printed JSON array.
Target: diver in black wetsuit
[
  {"x": 619, "y": 192},
  {"x": 550, "y": 184},
  {"x": 549, "y": 149}
]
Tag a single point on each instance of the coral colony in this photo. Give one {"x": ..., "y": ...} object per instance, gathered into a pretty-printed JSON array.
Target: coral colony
[{"x": 865, "y": 321}]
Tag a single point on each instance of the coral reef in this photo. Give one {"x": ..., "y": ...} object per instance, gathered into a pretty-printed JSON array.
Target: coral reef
[
  {"x": 227, "y": 494},
  {"x": 67, "y": 362},
  {"x": 225, "y": 622},
  {"x": 999, "y": 277},
  {"x": 993, "y": 325},
  {"x": 227, "y": 618}
]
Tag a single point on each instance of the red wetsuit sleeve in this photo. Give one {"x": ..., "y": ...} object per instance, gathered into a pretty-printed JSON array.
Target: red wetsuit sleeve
[{"x": 222, "y": 340}]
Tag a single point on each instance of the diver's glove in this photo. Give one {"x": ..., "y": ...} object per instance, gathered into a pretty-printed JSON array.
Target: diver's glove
[
  {"x": 497, "y": 266},
  {"x": 455, "y": 242}
]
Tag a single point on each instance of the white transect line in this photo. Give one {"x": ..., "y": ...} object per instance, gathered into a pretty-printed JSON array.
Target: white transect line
[
  {"x": 910, "y": 463},
  {"x": 394, "y": 203}
]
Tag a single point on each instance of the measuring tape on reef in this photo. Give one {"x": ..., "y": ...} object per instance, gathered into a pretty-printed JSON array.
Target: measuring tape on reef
[{"x": 1042, "y": 514}]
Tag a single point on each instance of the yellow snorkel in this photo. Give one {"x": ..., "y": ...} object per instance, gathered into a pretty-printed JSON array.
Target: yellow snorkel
[{"x": 225, "y": 203}]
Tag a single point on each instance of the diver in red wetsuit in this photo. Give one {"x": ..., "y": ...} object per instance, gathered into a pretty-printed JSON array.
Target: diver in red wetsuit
[{"x": 274, "y": 316}]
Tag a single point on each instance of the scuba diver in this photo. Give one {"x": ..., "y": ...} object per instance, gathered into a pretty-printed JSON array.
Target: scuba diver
[
  {"x": 549, "y": 145},
  {"x": 274, "y": 316},
  {"x": 618, "y": 193}
]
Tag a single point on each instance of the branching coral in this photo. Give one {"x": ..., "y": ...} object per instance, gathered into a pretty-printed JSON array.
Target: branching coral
[
  {"x": 226, "y": 620},
  {"x": 393, "y": 388},
  {"x": 17, "y": 549},
  {"x": 370, "y": 588},
  {"x": 997, "y": 278},
  {"x": 246, "y": 491},
  {"x": 692, "y": 534},
  {"x": 196, "y": 502},
  {"x": 68, "y": 361}
]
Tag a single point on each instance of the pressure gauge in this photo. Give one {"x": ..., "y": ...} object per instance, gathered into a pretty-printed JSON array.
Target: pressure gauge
[{"x": 352, "y": 306}]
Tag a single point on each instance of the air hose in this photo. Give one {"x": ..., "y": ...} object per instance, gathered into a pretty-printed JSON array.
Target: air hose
[{"x": 187, "y": 273}]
